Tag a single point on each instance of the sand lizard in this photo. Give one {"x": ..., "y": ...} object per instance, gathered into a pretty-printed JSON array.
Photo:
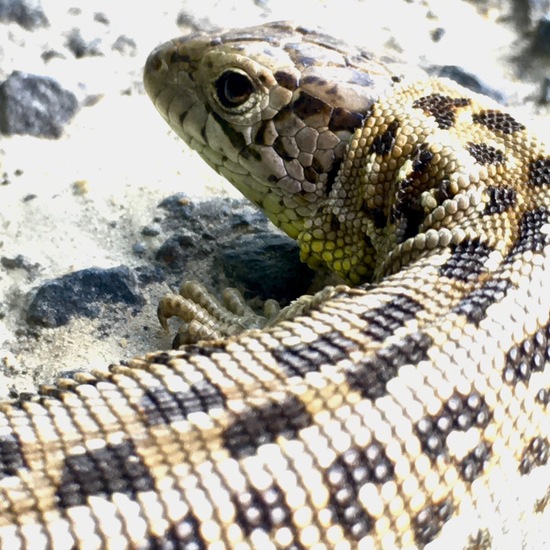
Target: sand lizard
[{"x": 408, "y": 409}]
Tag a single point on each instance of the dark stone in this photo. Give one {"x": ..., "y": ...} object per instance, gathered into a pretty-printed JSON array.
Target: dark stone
[
  {"x": 176, "y": 250},
  {"x": 28, "y": 14},
  {"x": 82, "y": 293},
  {"x": 150, "y": 231},
  {"x": 148, "y": 274},
  {"x": 100, "y": 17},
  {"x": 541, "y": 40},
  {"x": 17, "y": 262},
  {"x": 80, "y": 47},
  {"x": 35, "y": 105},
  {"x": 266, "y": 264},
  {"x": 472, "y": 81},
  {"x": 125, "y": 45}
]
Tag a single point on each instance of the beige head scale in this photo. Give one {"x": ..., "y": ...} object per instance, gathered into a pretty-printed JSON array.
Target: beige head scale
[{"x": 271, "y": 108}]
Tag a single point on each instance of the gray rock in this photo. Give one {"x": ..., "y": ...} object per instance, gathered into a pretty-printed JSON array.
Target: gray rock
[
  {"x": 35, "y": 105},
  {"x": 471, "y": 81},
  {"x": 541, "y": 40},
  {"x": 81, "y": 47},
  {"x": 267, "y": 265},
  {"x": 125, "y": 45},
  {"x": 26, "y": 13},
  {"x": 82, "y": 293}
]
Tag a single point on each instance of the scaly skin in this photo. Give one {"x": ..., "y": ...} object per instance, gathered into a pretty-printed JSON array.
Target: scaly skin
[{"x": 407, "y": 411}]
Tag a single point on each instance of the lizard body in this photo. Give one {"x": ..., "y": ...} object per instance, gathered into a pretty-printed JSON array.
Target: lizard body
[{"x": 405, "y": 409}]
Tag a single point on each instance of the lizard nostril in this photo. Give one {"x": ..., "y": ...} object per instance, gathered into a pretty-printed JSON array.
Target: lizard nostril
[{"x": 154, "y": 62}]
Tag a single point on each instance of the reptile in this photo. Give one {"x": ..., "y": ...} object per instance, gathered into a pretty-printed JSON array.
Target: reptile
[{"x": 403, "y": 407}]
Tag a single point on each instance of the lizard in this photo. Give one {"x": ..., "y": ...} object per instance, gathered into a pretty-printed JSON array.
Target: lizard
[{"x": 406, "y": 407}]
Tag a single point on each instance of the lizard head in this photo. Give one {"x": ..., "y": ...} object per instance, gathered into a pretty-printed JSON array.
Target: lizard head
[{"x": 270, "y": 108}]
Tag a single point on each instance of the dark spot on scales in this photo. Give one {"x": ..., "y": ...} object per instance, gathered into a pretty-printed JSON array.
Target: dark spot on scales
[
  {"x": 539, "y": 172},
  {"x": 383, "y": 321},
  {"x": 500, "y": 199},
  {"x": 430, "y": 520},
  {"x": 344, "y": 478},
  {"x": 498, "y": 121},
  {"x": 263, "y": 424},
  {"x": 286, "y": 80},
  {"x": 307, "y": 106},
  {"x": 485, "y": 154},
  {"x": 442, "y": 108},
  {"x": 527, "y": 357},
  {"x": 460, "y": 413},
  {"x": 115, "y": 468},
  {"x": 11, "y": 456},
  {"x": 345, "y": 120},
  {"x": 370, "y": 376},
  {"x": 467, "y": 260},
  {"x": 236, "y": 138},
  {"x": 531, "y": 237},
  {"x": 383, "y": 143}
]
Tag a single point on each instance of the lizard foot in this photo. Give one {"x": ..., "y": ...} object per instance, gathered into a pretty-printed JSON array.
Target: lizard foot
[{"x": 206, "y": 318}]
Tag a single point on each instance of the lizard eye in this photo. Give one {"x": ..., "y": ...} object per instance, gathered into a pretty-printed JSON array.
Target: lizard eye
[{"x": 233, "y": 88}]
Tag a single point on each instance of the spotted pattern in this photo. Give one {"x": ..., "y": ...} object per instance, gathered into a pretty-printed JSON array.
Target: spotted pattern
[
  {"x": 353, "y": 469},
  {"x": 114, "y": 468},
  {"x": 185, "y": 535},
  {"x": 531, "y": 237},
  {"x": 498, "y": 122},
  {"x": 383, "y": 143},
  {"x": 161, "y": 406},
  {"x": 265, "y": 510},
  {"x": 536, "y": 454},
  {"x": 264, "y": 424},
  {"x": 459, "y": 413},
  {"x": 429, "y": 521},
  {"x": 442, "y": 108},
  {"x": 530, "y": 356},
  {"x": 383, "y": 321},
  {"x": 300, "y": 359},
  {"x": 475, "y": 462},
  {"x": 539, "y": 172},
  {"x": 474, "y": 305},
  {"x": 11, "y": 458},
  {"x": 501, "y": 199},
  {"x": 467, "y": 260},
  {"x": 342, "y": 425},
  {"x": 485, "y": 154},
  {"x": 371, "y": 375}
]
